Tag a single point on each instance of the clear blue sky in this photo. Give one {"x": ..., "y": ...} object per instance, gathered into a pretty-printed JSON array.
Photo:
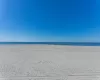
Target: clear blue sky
[{"x": 50, "y": 20}]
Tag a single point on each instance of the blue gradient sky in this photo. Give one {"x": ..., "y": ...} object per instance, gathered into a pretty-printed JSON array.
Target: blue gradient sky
[{"x": 50, "y": 20}]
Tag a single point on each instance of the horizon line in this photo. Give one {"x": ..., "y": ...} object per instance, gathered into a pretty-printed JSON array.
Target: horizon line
[{"x": 54, "y": 43}]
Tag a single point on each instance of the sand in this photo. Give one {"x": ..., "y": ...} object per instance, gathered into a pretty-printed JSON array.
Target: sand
[{"x": 70, "y": 62}]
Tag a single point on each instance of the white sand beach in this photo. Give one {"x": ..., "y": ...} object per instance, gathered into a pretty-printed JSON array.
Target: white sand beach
[{"x": 28, "y": 62}]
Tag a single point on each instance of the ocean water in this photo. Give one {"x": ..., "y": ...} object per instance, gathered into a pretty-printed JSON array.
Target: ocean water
[{"x": 57, "y": 43}]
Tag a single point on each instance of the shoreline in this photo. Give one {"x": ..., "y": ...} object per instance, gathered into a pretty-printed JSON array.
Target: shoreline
[{"x": 53, "y": 43}]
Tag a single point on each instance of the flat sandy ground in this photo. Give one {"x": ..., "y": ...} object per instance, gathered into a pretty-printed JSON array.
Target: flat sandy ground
[{"x": 64, "y": 56}]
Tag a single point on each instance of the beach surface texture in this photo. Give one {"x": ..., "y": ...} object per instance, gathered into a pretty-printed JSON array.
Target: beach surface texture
[{"x": 49, "y": 62}]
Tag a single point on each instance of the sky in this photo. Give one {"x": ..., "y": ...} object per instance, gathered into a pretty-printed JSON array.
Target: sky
[{"x": 50, "y": 20}]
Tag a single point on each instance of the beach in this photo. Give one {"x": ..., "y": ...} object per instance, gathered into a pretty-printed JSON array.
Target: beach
[{"x": 28, "y": 61}]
